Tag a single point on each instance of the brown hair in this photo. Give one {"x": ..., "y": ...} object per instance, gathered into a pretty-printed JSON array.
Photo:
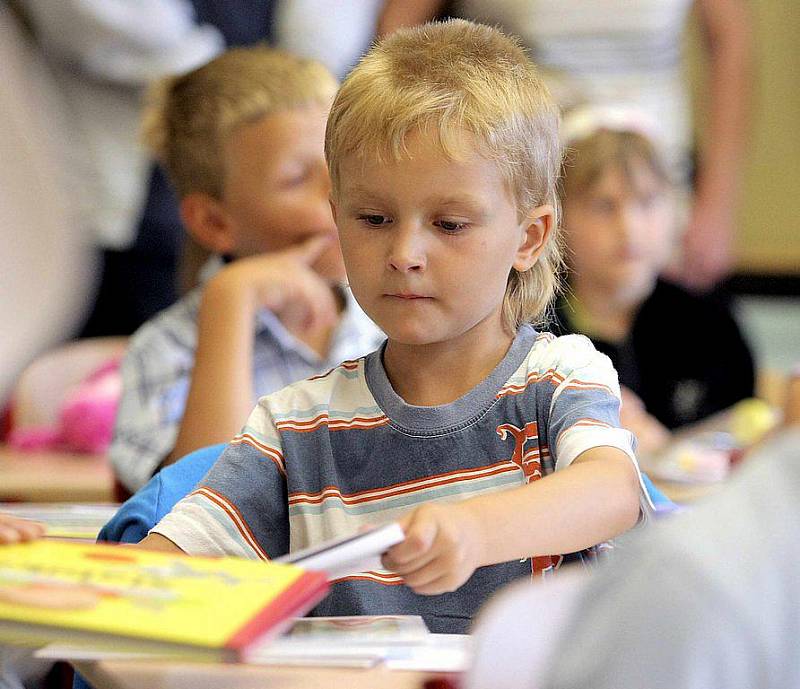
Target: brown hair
[{"x": 606, "y": 149}]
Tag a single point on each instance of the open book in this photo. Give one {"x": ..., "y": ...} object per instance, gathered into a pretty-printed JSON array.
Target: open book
[
  {"x": 342, "y": 556},
  {"x": 103, "y": 597},
  {"x": 111, "y": 596}
]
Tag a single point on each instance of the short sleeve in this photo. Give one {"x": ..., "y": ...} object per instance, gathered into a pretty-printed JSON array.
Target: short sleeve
[
  {"x": 584, "y": 408},
  {"x": 240, "y": 507}
]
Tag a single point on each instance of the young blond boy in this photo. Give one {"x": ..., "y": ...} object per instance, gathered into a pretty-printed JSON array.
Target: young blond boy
[
  {"x": 242, "y": 139},
  {"x": 496, "y": 446}
]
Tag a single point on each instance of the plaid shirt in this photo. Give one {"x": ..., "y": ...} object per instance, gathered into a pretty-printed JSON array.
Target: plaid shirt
[{"x": 157, "y": 370}]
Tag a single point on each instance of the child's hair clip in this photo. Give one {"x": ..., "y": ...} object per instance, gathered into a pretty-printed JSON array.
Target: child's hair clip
[{"x": 583, "y": 121}]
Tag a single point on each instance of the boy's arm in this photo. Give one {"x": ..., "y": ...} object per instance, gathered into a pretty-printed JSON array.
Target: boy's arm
[
  {"x": 592, "y": 500},
  {"x": 158, "y": 542},
  {"x": 221, "y": 391}
]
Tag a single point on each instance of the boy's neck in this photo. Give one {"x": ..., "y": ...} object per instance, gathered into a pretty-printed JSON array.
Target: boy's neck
[{"x": 439, "y": 373}]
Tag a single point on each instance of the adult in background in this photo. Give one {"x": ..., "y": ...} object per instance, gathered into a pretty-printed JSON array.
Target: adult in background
[
  {"x": 103, "y": 54},
  {"x": 629, "y": 51}
]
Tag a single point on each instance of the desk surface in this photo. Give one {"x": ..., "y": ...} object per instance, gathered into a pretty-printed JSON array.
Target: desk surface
[
  {"x": 118, "y": 674},
  {"x": 54, "y": 477}
]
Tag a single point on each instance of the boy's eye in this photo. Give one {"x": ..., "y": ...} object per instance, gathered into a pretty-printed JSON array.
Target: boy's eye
[
  {"x": 450, "y": 226},
  {"x": 601, "y": 206},
  {"x": 373, "y": 219},
  {"x": 295, "y": 180}
]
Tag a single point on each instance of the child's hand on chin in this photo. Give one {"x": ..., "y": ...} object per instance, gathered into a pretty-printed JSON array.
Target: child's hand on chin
[
  {"x": 14, "y": 530},
  {"x": 441, "y": 550}
]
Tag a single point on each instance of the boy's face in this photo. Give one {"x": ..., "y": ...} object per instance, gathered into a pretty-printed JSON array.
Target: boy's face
[
  {"x": 277, "y": 186},
  {"x": 429, "y": 242},
  {"x": 620, "y": 233}
]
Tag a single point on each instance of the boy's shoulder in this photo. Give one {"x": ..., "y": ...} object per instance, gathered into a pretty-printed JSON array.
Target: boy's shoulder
[
  {"x": 562, "y": 353},
  {"x": 552, "y": 359}
]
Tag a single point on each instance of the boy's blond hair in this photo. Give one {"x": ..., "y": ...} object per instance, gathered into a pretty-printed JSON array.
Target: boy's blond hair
[
  {"x": 445, "y": 79},
  {"x": 189, "y": 117}
]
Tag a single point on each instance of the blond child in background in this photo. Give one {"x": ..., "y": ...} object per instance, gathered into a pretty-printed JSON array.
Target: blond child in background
[
  {"x": 496, "y": 446},
  {"x": 242, "y": 139},
  {"x": 680, "y": 356}
]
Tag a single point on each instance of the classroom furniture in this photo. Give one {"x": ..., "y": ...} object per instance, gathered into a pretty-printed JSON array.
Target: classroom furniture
[
  {"x": 39, "y": 392},
  {"x": 128, "y": 674},
  {"x": 54, "y": 477}
]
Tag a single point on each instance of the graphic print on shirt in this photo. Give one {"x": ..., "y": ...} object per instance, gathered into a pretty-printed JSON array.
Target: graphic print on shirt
[{"x": 527, "y": 459}]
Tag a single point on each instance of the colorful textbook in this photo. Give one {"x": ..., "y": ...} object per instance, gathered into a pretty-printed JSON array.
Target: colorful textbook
[{"x": 111, "y": 596}]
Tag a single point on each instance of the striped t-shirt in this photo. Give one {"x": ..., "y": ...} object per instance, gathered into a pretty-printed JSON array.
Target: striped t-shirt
[{"x": 328, "y": 455}]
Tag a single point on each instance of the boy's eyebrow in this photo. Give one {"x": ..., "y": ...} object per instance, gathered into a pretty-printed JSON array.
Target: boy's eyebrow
[{"x": 469, "y": 202}]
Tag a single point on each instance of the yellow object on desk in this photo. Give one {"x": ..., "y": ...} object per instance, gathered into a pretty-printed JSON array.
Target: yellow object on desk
[{"x": 112, "y": 596}]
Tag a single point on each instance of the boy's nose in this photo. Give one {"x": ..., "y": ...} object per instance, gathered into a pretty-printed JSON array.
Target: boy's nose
[
  {"x": 629, "y": 222},
  {"x": 406, "y": 250}
]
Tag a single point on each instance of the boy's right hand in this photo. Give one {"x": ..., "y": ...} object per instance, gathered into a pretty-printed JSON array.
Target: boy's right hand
[
  {"x": 15, "y": 530},
  {"x": 285, "y": 283}
]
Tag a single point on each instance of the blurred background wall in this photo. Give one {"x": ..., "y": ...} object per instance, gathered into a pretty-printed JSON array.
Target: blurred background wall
[
  {"x": 769, "y": 230},
  {"x": 768, "y": 245}
]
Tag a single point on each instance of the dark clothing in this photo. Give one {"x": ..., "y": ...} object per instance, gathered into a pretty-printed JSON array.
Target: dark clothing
[
  {"x": 685, "y": 356},
  {"x": 141, "y": 281}
]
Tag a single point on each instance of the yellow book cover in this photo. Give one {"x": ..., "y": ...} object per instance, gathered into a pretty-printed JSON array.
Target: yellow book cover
[{"x": 118, "y": 597}]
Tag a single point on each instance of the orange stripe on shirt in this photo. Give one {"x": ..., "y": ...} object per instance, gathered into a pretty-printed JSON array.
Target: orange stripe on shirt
[
  {"x": 586, "y": 423},
  {"x": 551, "y": 375},
  {"x": 582, "y": 385},
  {"x": 234, "y": 515},
  {"x": 350, "y": 365},
  {"x": 269, "y": 452},
  {"x": 376, "y": 577},
  {"x": 415, "y": 486},
  {"x": 359, "y": 422}
]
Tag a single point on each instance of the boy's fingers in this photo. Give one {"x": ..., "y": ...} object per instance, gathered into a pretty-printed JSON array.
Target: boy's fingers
[
  {"x": 442, "y": 584},
  {"x": 410, "y": 565},
  {"x": 13, "y": 530},
  {"x": 311, "y": 249},
  {"x": 432, "y": 570},
  {"x": 9, "y": 535},
  {"x": 420, "y": 533}
]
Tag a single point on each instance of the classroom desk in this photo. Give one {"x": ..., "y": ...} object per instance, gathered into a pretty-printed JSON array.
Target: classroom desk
[
  {"x": 684, "y": 493},
  {"x": 118, "y": 674},
  {"x": 54, "y": 477}
]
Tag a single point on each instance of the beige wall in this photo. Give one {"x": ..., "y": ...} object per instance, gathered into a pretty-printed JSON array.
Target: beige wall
[{"x": 769, "y": 228}]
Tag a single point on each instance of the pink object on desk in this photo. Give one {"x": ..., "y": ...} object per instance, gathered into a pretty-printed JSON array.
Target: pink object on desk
[{"x": 86, "y": 419}]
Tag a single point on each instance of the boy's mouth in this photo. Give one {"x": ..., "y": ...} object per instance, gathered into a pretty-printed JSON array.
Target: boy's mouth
[{"x": 407, "y": 295}]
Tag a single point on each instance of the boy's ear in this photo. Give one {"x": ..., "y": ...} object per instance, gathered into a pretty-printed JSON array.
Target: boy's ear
[
  {"x": 208, "y": 222},
  {"x": 536, "y": 229}
]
